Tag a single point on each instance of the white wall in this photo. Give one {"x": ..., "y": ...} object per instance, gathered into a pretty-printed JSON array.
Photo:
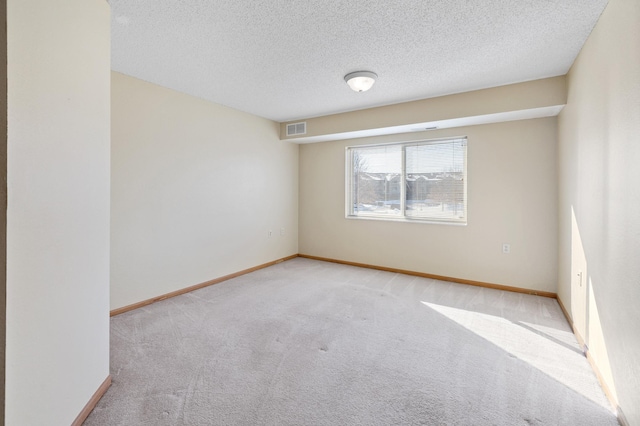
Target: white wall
[
  {"x": 195, "y": 189},
  {"x": 512, "y": 175},
  {"x": 600, "y": 201},
  {"x": 58, "y": 208}
]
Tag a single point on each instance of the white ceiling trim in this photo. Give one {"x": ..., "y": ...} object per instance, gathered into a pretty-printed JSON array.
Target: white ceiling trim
[{"x": 550, "y": 111}]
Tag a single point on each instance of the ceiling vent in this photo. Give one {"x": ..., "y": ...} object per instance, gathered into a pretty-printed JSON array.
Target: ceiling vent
[{"x": 297, "y": 129}]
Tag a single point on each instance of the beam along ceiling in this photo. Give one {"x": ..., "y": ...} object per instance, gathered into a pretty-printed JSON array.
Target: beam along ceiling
[{"x": 285, "y": 59}]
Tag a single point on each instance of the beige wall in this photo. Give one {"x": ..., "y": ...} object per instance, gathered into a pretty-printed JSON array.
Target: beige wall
[
  {"x": 195, "y": 189},
  {"x": 599, "y": 268},
  {"x": 57, "y": 352},
  {"x": 531, "y": 95},
  {"x": 512, "y": 177}
]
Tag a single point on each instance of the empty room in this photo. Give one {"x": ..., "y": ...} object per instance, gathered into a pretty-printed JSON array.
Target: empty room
[{"x": 321, "y": 213}]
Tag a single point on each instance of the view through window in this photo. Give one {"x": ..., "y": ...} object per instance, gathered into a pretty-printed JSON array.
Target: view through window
[{"x": 423, "y": 180}]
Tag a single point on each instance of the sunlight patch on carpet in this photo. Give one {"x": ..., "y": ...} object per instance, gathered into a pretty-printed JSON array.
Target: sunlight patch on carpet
[{"x": 552, "y": 351}]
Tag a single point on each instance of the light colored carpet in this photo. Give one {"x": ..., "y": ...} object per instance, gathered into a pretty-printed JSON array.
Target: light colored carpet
[{"x": 315, "y": 343}]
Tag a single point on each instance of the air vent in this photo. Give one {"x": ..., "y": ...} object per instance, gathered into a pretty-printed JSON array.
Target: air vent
[{"x": 297, "y": 128}]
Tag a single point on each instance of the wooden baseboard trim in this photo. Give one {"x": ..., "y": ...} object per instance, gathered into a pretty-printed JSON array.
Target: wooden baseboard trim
[
  {"x": 92, "y": 402},
  {"x": 621, "y": 417},
  {"x": 133, "y": 306},
  {"x": 105, "y": 385},
  {"x": 605, "y": 388},
  {"x": 436, "y": 277},
  {"x": 585, "y": 349},
  {"x": 565, "y": 312}
]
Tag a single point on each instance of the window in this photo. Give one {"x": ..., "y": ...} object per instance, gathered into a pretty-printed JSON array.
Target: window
[{"x": 423, "y": 181}]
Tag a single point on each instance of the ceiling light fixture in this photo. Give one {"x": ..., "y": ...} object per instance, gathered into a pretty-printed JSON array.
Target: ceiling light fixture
[{"x": 360, "y": 81}]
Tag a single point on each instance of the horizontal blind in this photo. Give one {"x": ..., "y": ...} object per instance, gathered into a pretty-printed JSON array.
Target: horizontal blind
[
  {"x": 432, "y": 185},
  {"x": 435, "y": 177}
]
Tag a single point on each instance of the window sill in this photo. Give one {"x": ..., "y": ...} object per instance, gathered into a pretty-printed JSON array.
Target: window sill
[{"x": 407, "y": 220}]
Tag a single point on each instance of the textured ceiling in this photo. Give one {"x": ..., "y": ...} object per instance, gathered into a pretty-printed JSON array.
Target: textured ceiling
[{"x": 286, "y": 59}]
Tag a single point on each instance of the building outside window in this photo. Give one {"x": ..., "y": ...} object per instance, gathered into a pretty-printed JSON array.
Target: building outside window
[{"x": 421, "y": 181}]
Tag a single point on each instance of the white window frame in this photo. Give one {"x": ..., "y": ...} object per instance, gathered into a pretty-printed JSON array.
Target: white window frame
[{"x": 403, "y": 217}]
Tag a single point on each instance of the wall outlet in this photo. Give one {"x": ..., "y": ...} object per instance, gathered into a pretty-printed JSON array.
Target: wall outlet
[
  {"x": 269, "y": 233},
  {"x": 506, "y": 248},
  {"x": 282, "y": 232}
]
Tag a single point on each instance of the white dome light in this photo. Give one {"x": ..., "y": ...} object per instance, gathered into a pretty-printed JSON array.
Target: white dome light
[{"x": 360, "y": 81}]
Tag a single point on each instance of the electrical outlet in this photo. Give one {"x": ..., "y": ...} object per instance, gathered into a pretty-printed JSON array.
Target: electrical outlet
[
  {"x": 506, "y": 248},
  {"x": 269, "y": 233},
  {"x": 282, "y": 232}
]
